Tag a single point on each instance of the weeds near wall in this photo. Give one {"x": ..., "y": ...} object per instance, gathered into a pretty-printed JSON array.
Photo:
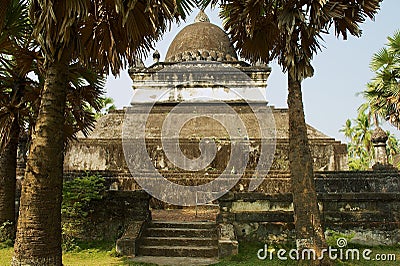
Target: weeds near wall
[
  {"x": 333, "y": 236},
  {"x": 6, "y": 233},
  {"x": 78, "y": 194}
]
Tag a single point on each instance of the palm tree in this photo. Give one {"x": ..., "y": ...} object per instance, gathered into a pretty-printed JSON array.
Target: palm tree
[
  {"x": 14, "y": 38},
  {"x": 347, "y": 129},
  {"x": 392, "y": 148},
  {"x": 20, "y": 98},
  {"x": 383, "y": 92},
  {"x": 106, "y": 35},
  {"x": 291, "y": 32},
  {"x": 8, "y": 164},
  {"x": 360, "y": 147}
]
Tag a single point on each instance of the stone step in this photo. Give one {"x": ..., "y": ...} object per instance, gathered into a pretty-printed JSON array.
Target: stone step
[
  {"x": 181, "y": 232},
  {"x": 179, "y": 251},
  {"x": 193, "y": 225},
  {"x": 179, "y": 241},
  {"x": 153, "y": 260}
]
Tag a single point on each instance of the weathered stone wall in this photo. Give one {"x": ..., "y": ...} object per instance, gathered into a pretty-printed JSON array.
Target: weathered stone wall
[
  {"x": 274, "y": 182},
  {"x": 102, "y": 149},
  {"x": 95, "y": 155},
  {"x": 108, "y": 155},
  {"x": 365, "y": 204}
]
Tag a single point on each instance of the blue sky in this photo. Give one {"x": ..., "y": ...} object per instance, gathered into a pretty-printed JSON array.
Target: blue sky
[{"x": 341, "y": 71}]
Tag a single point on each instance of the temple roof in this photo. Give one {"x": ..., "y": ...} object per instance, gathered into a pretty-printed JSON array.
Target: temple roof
[
  {"x": 110, "y": 126},
  {"x": 201, "y": 40}
]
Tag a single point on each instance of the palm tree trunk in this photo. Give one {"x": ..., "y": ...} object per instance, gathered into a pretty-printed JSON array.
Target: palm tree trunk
[
  {"x": 309, "y": 232},
  {"x": 38, "y": 239},
  {"x": 8, "y": 168},
  {"x": 3, "y": 12}
]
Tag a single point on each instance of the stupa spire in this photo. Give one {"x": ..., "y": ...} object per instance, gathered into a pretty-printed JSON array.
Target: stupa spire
[{"x": 201, "y": 17}]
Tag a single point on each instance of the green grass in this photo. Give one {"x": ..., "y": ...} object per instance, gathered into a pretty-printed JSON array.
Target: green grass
[
  {"x": 87, "y": 257},
  {"x": 248, "y": 256},
  {"x": 375, "y": 250},
  {"x": 6, "y": 251},
  {"x": 5, "y": 255},
  {"x": 100, "y": 253},
  {"x": 91, "y": 254}
]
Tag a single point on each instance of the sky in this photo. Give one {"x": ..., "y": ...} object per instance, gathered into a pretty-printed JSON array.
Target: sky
[{"x": 330, "y": 96}]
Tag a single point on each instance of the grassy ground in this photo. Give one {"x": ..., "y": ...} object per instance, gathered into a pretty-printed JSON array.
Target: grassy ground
[
  {"x": 5, "y": 255},
  {"x": 248, "y": 257},
  {"x": 92, "y": 254},
  {"x": 101, "y": 254}
]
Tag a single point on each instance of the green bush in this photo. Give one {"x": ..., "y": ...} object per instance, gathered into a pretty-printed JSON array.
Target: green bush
[
  {"x": 332, "y": 237},
  {"x": 78, "y": 194},
  {"x": 7, "y": 232}
]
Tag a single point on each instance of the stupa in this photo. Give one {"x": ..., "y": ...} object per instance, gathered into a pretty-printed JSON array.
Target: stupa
[
  {"x": 201, "y": 73},
  {"x": 201, "y": 116}
]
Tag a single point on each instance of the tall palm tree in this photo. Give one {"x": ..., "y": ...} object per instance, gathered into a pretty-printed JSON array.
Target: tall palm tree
[
  {"x": 383, "y": 92},
  {"x": 14, "y": 108},
  {"x": 105, "y": 35},
  {"x": 20, "y": 98},
  {"x": 14, "y": 38},
  {"x": 291, "y": 32},
  {"x": 392, "y": 148},
  {"x": 360, "y": 147},
  {"x": 347, "y": 129},
  {"x": 19, "y": 102}
]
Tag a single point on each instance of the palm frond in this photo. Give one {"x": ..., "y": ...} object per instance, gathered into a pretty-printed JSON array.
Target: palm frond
[
  {"x": 184, "y": 7},
  {"x": 290, "y": 31},
  {"x": 85, "y": 89},
  {"x": 381, "y": 59},
  {"x": 394, "y": 43},
  {"x": 383, "y": 91}
]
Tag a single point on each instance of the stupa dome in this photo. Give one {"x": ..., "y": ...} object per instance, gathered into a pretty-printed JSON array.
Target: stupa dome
[{"x": 201, "y": 40}]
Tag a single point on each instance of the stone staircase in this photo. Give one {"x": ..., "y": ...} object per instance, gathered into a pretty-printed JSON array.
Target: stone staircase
[{"x": 180, "y": 239}]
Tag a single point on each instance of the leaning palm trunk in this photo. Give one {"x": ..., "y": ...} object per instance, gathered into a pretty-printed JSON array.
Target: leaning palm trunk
[
  {"x": 309, "y": 232},
  {"x": 38, "y": 235},
  {"x": 8, "y": 167}
]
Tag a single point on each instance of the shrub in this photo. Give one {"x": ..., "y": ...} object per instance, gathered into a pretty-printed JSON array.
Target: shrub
[
  {"x": 7, "y": 233},
  {"x": 78, "y": 196}
]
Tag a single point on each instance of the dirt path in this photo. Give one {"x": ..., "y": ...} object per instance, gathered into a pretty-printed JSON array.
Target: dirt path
[{"x": 187, "y": 214}]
